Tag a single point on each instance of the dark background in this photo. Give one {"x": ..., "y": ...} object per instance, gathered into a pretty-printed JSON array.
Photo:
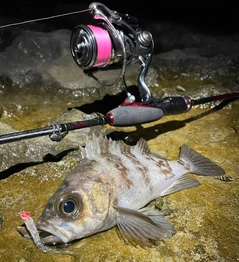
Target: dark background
[{"x": 213, "y": 16}]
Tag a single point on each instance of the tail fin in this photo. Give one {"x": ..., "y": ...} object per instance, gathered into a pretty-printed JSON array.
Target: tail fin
[{"x": 199, "y": 164}]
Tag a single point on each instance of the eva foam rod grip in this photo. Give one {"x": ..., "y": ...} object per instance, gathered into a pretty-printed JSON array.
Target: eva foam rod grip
[{"x": 134, "y": 115}]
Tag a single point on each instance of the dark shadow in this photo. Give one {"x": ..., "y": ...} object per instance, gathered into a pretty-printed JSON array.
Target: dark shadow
[
  {"x": 109, "y": 102},
  {"x": 47, "y": 158},
  {"x": 59, "y": 156}
]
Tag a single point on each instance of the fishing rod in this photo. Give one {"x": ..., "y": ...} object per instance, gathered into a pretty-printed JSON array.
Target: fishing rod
[
  {"x": 125, "y": 115},
  {"x": 112, "y": 41}
]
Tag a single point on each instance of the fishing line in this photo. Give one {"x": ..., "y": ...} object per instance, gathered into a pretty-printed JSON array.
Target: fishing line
[
  {"x": 43, "y": 18},
  {"x": 103, "y": 43}
]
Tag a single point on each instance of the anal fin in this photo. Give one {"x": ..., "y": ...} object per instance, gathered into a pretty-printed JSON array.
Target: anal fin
[{"x": 184, "y": 182}]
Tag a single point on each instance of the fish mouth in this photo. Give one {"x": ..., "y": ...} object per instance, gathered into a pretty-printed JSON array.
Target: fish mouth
[{"x": 51, "y": 234}]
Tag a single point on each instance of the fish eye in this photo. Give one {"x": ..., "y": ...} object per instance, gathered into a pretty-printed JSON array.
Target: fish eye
[{"x": 68, "y": 206}]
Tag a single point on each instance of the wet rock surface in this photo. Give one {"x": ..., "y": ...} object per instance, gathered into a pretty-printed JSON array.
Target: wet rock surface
[{"x": 45, "y": 87}]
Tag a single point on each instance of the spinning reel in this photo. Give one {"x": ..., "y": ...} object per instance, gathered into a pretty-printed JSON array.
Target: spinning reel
[{"x": 112, "y": 41}]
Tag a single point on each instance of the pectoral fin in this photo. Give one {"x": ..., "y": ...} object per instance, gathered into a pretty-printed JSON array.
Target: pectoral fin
[
  {"x": 184, "y": 182},
  {"x": 144, "y": 224}
]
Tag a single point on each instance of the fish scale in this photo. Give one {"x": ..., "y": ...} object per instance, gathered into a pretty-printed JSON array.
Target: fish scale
[{"x": 146, "y": 184}]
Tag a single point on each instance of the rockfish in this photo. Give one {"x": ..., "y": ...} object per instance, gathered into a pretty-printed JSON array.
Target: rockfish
[{"x": 112, "y": 185}]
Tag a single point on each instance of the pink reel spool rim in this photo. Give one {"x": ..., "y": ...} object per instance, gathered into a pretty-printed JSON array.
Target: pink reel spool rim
[{"x": 104, "y": 45}]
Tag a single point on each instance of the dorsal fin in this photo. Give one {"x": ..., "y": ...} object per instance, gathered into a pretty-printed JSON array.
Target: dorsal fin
[
  {"x": 97, "y": 145},
  {"x": 142, "y": 146}
]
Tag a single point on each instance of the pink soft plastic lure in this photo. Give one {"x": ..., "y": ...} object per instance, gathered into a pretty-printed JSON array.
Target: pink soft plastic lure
[{"x": 33, "y": 231}]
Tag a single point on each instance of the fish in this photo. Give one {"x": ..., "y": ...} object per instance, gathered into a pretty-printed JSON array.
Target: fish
[{"x": 113, "y": 185}]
